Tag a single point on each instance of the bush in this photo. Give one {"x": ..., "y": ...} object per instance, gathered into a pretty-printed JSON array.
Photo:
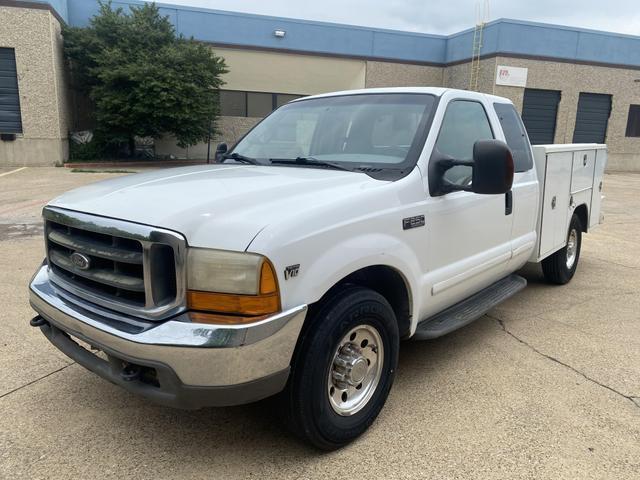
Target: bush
[{"x": 85, "y": 152}]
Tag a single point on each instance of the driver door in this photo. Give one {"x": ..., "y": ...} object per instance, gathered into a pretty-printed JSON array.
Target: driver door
[{"x": 469, "y": 233}]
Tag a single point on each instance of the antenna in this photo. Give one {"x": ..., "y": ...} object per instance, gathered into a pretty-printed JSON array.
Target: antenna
[{"x": 482, "y": 17}]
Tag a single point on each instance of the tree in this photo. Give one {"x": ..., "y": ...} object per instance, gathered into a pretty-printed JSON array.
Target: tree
[{"x": 142, "y": 78}]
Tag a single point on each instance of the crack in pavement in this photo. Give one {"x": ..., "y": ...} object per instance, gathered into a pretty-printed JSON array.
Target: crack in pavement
[
  {"x": 616, "y": 263},
  {"x": 36, "y": 380},
  {"x": 634, "y": 400}
]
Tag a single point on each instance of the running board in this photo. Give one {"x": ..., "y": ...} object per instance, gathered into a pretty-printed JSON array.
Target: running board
[{"x": 470, "y": 309}]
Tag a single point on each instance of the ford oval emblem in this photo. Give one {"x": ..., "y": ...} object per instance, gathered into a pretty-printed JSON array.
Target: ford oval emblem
[{"x": 80, "y": 261}]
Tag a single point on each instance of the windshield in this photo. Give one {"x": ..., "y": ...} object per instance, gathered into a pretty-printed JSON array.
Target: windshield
[{"x": 362, "y": 130}]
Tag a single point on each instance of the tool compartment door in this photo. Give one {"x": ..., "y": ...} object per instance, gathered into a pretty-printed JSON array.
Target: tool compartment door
[
  {"x": 555, "y": 202},
  {"x": 583, "y": 165},
  {"x": 595, "y": 215}
]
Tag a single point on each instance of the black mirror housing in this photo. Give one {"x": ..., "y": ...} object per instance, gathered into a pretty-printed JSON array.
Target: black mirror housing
[
  {"x": 221, "y": 149},
  {"x": 493, "y": 167},
  {"x": 492, "y": 170}
]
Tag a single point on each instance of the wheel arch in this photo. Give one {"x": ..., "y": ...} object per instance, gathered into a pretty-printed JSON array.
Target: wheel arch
[
  {"x": 582, "y": 212},
  {"x": 385, "y": 280}
]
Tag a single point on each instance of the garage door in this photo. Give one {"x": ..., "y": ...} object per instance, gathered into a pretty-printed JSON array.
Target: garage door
[
  {"x": 9, "y": 99},
  {"x": 592, "y": 118},
  {"x": 539, "y": 112}
]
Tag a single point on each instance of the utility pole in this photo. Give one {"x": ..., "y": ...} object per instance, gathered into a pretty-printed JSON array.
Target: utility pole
[{"x": 209, "y": 143}]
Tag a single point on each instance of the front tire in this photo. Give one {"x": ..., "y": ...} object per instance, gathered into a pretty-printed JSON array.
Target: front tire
[
  {"x": 560, "y": 267},
  {"x": 343, "y": 368}
]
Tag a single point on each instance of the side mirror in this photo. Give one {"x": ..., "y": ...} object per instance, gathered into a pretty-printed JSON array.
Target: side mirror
[
  {"x": 221, "y": 149},
  {"x": 492, "y": 167},
  {"x": 491, "y": 170}
]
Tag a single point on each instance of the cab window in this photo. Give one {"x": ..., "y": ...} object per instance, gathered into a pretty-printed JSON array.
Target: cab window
[
  {"x": 516, "y": 136},
  {"x": 464, "y": 123}
]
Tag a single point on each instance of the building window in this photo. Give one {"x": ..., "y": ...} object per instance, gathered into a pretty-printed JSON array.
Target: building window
[
  {"x": 235, "y": 103},
  {"x": 282, "y": 98},
  {"x": 10, "y": 119},
  {"x": 633, "y": 121},
  {"x": 259, "y": 104}
]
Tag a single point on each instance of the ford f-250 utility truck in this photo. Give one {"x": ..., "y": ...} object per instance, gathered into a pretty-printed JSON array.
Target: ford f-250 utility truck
[{"x": 340, "y": 225}]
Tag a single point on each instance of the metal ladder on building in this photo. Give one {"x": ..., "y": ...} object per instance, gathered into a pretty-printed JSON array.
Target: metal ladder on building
[{"x": 482, "y": 15}]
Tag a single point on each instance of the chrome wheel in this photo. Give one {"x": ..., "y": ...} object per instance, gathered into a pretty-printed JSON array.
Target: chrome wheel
[
  {"x": 355, "y": 370},
  {"x": 572, "y": 248}
]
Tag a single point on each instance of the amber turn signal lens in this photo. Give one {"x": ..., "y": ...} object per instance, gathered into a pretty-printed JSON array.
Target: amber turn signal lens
[
  {"x": 233, "y": 304},
  {"x": 268, "y": 281}
]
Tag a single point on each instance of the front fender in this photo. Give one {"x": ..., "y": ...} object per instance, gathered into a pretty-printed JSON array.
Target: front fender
[
  {"x": 338, "y": 238},
  {"x": 322, "y": 268}
]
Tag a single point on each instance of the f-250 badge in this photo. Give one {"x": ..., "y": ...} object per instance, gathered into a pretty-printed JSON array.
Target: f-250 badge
[
  {"x": 291, "y": 271},
  {"x": 413, "y": 222}
]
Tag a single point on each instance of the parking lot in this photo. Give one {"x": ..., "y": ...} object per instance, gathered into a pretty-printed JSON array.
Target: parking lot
[{"x": 545, "y": 386}]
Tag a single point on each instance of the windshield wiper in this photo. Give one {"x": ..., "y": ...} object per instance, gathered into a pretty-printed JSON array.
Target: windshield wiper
[
  {"x": 309, "y": 161},
  {"x": 241, "y": 158}
]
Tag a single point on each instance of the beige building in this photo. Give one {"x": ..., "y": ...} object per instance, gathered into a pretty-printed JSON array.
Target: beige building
[
  {"x": 34, "y": 116},
  {"x": 571, "y": 85},
  {"x": 617, "y": 87}
]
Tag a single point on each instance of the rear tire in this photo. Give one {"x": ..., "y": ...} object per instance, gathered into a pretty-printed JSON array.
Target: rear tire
[
  {"x": 343, "y": 368},
  {"x": 560, "y": 267}
]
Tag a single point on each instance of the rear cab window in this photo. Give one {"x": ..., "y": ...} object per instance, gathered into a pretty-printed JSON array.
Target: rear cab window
[{"x": 515, "y": 135}]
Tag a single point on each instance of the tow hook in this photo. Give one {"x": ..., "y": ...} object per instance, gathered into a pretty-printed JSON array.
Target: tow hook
[
  {"x": 37, "y": 321},
  {"x": 130, "y": 372}
]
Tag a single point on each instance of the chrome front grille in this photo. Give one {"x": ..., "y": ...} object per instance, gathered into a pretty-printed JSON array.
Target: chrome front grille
[{"x": 128, "y": 267}]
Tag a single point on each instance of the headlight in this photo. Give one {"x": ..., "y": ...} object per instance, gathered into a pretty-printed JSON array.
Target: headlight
[
  {"x": 223, "y": 272},
  {"x": 230, "y": 283}
]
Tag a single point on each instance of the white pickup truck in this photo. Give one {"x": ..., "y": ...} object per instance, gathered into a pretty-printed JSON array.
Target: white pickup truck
[{"x": 340, "y": 225}]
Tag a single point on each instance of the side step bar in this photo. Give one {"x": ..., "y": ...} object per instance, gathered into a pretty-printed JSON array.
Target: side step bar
[{"x": 470, "y": 309}]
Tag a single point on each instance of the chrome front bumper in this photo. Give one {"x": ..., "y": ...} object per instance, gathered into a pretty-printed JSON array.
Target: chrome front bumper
[{"x": 201, "y": 364}]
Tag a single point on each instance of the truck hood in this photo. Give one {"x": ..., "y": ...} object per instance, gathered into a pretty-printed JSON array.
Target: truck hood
[{"x": 217, "y": 206}]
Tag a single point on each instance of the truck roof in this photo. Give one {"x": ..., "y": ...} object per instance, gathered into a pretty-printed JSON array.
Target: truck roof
[{"x": 437, "y": 91}]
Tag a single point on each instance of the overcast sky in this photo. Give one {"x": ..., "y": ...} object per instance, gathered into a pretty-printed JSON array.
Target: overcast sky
[{"x": 441, "y": 16}]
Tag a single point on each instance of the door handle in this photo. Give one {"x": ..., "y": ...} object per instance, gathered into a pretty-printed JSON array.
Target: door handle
[{"x": 508, "y": 202}]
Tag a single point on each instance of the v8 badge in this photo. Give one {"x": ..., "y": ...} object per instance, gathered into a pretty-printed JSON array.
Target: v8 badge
[{"x": 291, "y": 271}]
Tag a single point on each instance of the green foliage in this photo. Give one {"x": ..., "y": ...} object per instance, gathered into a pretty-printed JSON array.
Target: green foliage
[
  {"x": 143, "y": 79},
  {"x": 86, "y": 152}
]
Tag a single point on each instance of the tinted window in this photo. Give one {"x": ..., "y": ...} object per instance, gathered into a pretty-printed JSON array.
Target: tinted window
[
  {"x": 282, "y": 98},
  {"x": 233, "y": 104},
  {"x": 259, "y": 104},
  {"x": 515, "y": 135},
  {"x": 464, "y": 123},
  {"x": 237, "y": 103}
]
